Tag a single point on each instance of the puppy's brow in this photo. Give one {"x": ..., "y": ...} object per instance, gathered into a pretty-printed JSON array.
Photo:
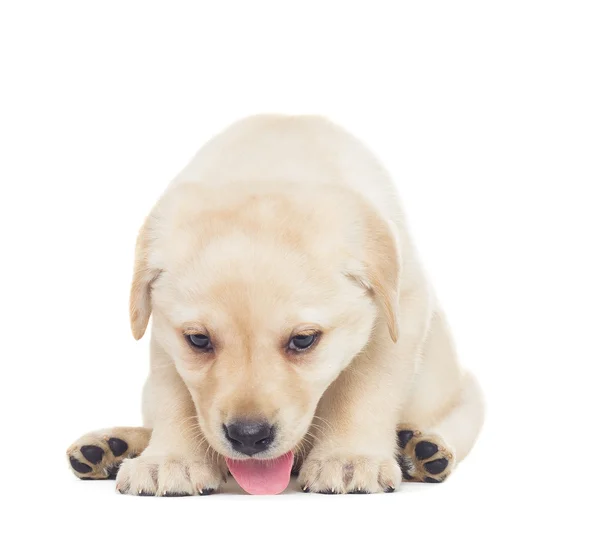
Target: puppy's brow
[
  {"x": 194, "y": 328},
  {"x": 312, "y": 316},
  {"x": 306, "y": 328}
]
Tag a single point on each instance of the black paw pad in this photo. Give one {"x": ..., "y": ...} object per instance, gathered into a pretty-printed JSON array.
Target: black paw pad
[
  {"x": 306, "y": 489},
  {"x": 92, "y": 453},
  {"x": 431, "y": 480},
  {"x": 117, "y": 446},
  {"x": 176, "y": 494},
  {"x": 404, "y": 436},
  {"x": 79, "y": 466},
  {"x": 425, "y": 449},
  {"x": 358, "y": 492},
  {"x": 206, "y": 492},
  {"x": 390, "y": 489},
  {"x": 112, "y": 471},
  {"x": 436, "y": 466}
]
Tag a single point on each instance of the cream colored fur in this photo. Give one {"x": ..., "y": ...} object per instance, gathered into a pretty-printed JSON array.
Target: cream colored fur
[{"x": 281, "y": 224}]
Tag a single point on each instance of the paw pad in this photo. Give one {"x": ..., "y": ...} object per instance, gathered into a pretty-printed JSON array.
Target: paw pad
[
  {"x": 99, "y": 457},
  {"x": 92, "y": 453},
  {"x": 117, "y": 446},
  {"x": 432, "y": 480},
  {"x": 423, "y": 457},
  {"x": 404, "y": 436},
  {"x": 425, "y": 449},
  {"x": 436, "y": 466},
  {"x": 79, "y": 466}
]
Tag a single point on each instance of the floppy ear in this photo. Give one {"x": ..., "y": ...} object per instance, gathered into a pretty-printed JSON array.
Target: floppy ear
[
  {"x": 379, "y": 267},
  {"x": 140, "y": 303}
]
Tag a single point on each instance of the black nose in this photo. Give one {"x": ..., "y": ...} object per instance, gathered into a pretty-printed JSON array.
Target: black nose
[{"x": 249, "y": 436}]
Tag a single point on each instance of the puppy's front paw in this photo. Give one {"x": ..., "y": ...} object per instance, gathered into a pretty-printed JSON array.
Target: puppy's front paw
[
  {"x": 171, "y": 476},
  {"x": 337, "y": 473}
]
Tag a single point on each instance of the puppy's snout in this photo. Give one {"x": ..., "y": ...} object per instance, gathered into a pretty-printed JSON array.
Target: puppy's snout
[{"x": 249, "y": 436}]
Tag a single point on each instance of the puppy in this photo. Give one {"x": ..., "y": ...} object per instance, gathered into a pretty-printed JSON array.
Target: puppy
[{"x": 293, "y": 328}]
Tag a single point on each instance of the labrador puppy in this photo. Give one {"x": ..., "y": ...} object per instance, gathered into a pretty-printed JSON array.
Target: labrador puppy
[{"x": 293, "y": 331}]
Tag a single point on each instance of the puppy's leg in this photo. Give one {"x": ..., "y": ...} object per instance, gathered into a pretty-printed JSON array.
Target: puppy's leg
[
  {"x": 99, "y": 454},
  {"x": 177, "y": 461},
  {"x": 430, "y": 455},
  {"x": 355, "y": 449},
  {"x": 444, "y": 412}
]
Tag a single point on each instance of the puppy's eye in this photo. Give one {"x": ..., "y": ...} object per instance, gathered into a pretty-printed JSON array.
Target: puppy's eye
[
  {"x": 199, "y": 341},
  {"x": 301, "y": 342}
]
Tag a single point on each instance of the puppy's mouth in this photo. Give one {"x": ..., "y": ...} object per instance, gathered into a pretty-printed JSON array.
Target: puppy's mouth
[
  {"x": 251, "y": 439},
  {"x": 269, "y": 476}
]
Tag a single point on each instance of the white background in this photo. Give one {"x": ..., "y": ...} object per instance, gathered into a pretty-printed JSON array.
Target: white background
[{"x": 486, "y": 113}]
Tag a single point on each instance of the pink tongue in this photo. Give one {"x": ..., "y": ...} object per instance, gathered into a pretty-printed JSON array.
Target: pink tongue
[{"x": 262, "y": 477}]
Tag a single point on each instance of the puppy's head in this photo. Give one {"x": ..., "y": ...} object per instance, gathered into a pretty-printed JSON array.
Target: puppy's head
[{"x": 260, "y": 299}]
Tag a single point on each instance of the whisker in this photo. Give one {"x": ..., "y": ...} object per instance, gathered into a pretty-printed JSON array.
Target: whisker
[{"x": 325, "y": 421}]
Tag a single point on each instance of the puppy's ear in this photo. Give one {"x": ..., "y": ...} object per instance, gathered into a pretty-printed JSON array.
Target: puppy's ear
[
  {"x": 140, "y": 303},
  {"x": 379, "y": 267}
]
